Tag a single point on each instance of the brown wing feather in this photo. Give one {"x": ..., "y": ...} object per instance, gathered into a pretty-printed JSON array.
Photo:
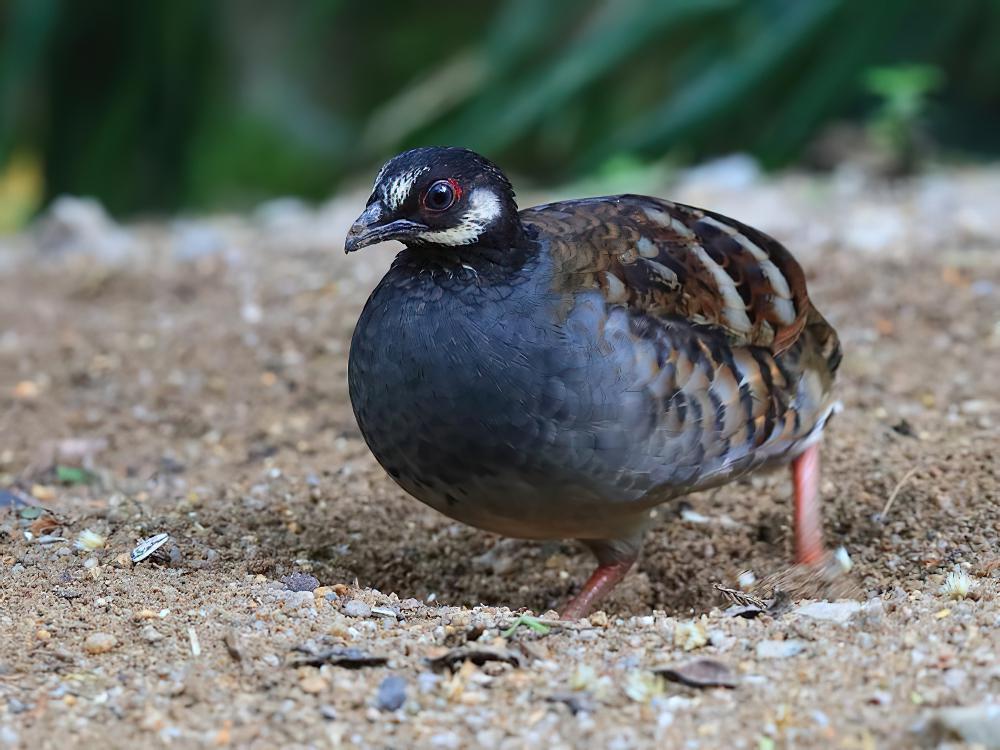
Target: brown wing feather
[
  {"x": 742, "y": 364},
  {"x": 669, "y": 260}
]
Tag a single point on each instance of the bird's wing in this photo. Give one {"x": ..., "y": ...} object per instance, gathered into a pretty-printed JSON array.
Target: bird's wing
[
  {"x": 721, "y": 328},
  {"x": 678, "y": 263}
]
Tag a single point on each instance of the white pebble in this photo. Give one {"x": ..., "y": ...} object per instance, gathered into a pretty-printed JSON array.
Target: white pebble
[{"x": 779, "y": 649}]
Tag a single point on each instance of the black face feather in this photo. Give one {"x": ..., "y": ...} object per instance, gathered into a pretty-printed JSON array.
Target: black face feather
[{"x": 439, "y": 196}]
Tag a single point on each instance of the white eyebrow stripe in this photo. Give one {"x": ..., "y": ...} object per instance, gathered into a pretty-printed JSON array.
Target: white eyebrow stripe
[
  {"x": 397, "y": 191},
  {"x": 484, "y": 208}
]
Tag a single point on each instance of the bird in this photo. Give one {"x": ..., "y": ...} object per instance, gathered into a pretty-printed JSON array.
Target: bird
[{"x": 559, "y": 372}]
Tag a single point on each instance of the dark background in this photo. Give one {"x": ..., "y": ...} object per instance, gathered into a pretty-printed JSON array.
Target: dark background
[{"x": 164, "y": 105}]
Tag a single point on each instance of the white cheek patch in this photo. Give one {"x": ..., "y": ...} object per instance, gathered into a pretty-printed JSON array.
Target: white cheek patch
[
  {"x": 484, "y": 208},
  {"x": 397, "y": 191}
]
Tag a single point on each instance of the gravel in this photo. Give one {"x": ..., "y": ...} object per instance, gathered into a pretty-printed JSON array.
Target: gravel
[{"x": 211, "y": 364}]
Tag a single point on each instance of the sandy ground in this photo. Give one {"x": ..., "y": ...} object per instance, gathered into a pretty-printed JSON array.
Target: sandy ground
[{"x": 197, "y": 370}]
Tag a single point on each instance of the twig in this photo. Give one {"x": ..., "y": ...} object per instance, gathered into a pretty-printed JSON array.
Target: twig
[
  {"x": 740, "y": 598},
  {"x": 895, "y": 491}
]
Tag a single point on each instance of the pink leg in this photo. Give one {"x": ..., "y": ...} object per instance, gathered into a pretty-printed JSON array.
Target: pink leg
[
  {"x": 597, "y": 586},
  {"x": 807, "y": 521},
  {"x": 614, "y": 558}
]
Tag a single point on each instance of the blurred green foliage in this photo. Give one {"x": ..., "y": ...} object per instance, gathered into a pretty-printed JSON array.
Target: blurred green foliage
[
  {"x": 156, "y": 105},
  {"x": 905, "y": 92}
]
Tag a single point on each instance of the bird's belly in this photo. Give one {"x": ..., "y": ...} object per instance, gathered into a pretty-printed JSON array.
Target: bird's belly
[{"x": 493, "y": 422}]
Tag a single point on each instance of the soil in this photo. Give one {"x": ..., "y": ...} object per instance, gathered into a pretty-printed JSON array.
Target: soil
[{"x": 188, "y": 378}]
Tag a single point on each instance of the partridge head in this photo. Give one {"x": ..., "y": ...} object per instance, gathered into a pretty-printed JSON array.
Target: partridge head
[{"x": 445, "y": 197}]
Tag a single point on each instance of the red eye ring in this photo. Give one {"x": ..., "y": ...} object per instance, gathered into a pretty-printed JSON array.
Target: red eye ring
[{"x": 441, "y": 195}]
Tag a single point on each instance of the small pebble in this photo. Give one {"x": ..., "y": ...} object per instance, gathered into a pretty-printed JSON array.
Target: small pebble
[
  {"x": 955, "y": 678},
  {"x": 313, "y": 684},
  {"x": 975, "y": 406},
  {"x": 881, "y": 698},
  {"x": 298, "y": 599},
  {"x": 391, "y": 693},
  {"x": 99, "y": 643},
  {"x": 357, "y": 608},
  {"x": 446, "y": 741},
  {"x": 151, "y": 634},
  {"x": 428, "y": 682},
  {"x": 300, "y": 582},
  {"x": 720, "y": 639},
  {"x": 779, "y": 649},
  {"x": 489, "y": 737},
  {"x": 977, "y": 725},
  {"x": 26, "y": 390},
  {"x": 838, "y": 612},
  {"x": 599, "y": 619},
  {"x": 690, "y": 635},
  {"x": 328, "y": 712},
  {"x": 642, "y": 686}
]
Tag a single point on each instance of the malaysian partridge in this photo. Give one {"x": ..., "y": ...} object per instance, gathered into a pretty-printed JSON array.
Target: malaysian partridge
[{"x": 558, "y": 372}]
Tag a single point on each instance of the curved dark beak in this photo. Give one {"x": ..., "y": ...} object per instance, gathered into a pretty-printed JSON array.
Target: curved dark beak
[{"x": 368, "y": 229}]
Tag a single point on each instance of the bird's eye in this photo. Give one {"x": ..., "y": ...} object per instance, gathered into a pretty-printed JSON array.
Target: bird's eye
[{"x": 440, "y": 196}]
